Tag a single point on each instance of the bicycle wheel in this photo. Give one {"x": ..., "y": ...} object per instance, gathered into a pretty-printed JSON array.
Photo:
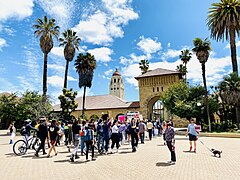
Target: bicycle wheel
[{"x": 20, "y": 147}]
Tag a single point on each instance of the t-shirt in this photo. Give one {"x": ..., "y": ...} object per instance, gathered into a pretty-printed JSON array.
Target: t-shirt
[
  {"x": 53, "y": 131},
  {"x": 149, "y": 125},
  {"x": 191, "y": 129},
  {"x": 76, "y": 128},
  {"x": 115, "y": 129}
]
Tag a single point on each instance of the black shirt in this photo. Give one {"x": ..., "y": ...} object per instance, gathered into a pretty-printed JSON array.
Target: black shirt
[
  {"x": 53, "y": 132},
  {"x": 76, "y": 128},
  {"x": 42, "y": 131}
]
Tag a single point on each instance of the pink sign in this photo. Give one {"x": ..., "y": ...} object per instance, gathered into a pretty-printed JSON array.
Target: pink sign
[{"x": 121, "y": 118}]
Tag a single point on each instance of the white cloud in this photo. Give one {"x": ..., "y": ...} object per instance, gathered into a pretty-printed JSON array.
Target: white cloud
[
  {"x": 228, "y": 45},
  {"x": 105, "y": 22},
  {"x": 55, "y": 81},
  {"x": 70, "y": 78},
  {"x": 61, "y": 10},
  {"x": 59, "y": 69},
  {"x": 57, "y": 51},
  {"x": 148, "y": 45},
  {"x": 134, "y": 58},
  {"x": 169, "y": 45},
  {"x": 108, "y": 72},
  {"x": 15, "y": 9},
  {"x": 216, "y": 68},
  {"x": 2, "y": 43},
  {"x": 101, "y": 54},
  {"x": 170, "y": 53}
]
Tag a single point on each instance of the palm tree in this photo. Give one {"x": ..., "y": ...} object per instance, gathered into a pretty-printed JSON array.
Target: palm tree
[
  {"x": 229, "y": 90},
  {"x": 224, "y": 23},
  {"x": 181, "y": 68},
  {"x": 45, "y": 29},
  {"x": 185, "y": 57},
  {"x": 71, "y": 42},
  {"x": 202, "y": 48},
  {"x": 85, "y": 66},
  {"x": 144, "y": 66}
]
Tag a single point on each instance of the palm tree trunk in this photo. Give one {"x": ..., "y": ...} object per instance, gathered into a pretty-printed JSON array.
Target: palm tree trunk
[
  {"x": 66, "y": 73},
  {"x": 233, "y": 50},
  {"x": 186, "y": 72},
  {"x": 83, "y": 106},
  {"x": 206, "y": 96},
  {"x": 45, "y": 75},
  {"x": 238, "y": 116}
]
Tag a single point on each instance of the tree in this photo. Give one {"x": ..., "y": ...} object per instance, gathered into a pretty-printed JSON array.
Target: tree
[
  {"x": 68, "y": 103},
  {"x": 45, "y": 29},
  {"x": 202, "y": 48},
  {"x": 144, "y": 66},
  {"x": 70, "y": 41},
  {"x": 185, "y": 57},
  {"x": 229, "y": 91},
  {"x": 224, "y": 23},
  {"x": 181, "y": 68},
  {"x": 85, "y": 66}
]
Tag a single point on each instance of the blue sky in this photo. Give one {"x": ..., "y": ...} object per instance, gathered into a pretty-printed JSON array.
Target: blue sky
[{"x": 118, "y": 32}]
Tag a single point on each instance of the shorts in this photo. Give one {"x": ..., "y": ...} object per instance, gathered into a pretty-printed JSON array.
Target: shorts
[
  {"x": 192, "y": 137},
  {"x": 52, "y": 142}
]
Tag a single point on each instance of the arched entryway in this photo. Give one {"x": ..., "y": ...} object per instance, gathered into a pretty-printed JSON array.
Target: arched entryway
[
  {"x": 155, "y": 109},
  {"x": 94, "y": 116}
]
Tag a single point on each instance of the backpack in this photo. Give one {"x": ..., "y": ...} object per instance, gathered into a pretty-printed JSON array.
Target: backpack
[
  {"x": 88, "y": 135},
  {"x": 23, "y": 131}
]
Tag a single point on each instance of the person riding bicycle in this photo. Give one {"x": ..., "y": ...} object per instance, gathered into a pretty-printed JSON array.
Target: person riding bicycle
[{"x": 28, "y": 127}]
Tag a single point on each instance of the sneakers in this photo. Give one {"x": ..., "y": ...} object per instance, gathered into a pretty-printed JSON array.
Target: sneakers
[
  {"x": 134, "y": 149},
  {"x": 77, "y": 157},
  {"x": 72, "y": 158},
  {"x": 36, "y": 154},
  {"x": 171, "y": 162}
]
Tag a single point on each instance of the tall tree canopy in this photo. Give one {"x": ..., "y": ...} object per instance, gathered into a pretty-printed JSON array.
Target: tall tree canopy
[
  {"x": 71, "y": 42},
  {"x": 46, "y": 29},
  {"x": 224, "y": 23}
]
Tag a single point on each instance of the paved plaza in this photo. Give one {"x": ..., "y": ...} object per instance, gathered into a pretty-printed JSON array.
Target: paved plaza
[{"x": 149, "y": 162}]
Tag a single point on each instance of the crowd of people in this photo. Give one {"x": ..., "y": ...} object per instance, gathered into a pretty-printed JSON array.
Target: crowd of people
[{"x": 103, "y": 135}]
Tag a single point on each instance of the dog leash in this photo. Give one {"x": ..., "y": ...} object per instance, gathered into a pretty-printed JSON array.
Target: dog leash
[{"x": 204, "y": 145}]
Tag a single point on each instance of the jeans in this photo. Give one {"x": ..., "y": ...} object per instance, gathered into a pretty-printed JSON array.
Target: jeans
[
  {"x": 82, "y": 143},
  {"x": 142, "y": 134},
  {"x": 89, "y": 144},
  {"x": 170, "y": 147},
  {"x": 76, "y": 139},
  {"x": 106, "y": 144},
  {"x": 134, "y": 139},
  {"x": 115, "y": 140},
  {"x": 100, "y": 142},
  {"x": 150, "y": 134}
]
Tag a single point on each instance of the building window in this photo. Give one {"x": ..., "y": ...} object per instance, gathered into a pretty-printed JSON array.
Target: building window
[
  {"x": 153, "y": 89},
  {"x": 162, "y": 88},
  {"x": 111, "y": 88},
  {"x": 157, "y": 89},
  {"x": 118, "y": 80},
  {"x": 114, "y": 80},
  {"x": 117, "y": 88}
]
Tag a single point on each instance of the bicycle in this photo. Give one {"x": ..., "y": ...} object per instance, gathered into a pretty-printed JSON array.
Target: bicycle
[{"x": 21, "y": 146}]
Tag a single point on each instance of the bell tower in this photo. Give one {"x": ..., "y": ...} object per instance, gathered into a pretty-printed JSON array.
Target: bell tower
[{"x": 116, "y": 85}]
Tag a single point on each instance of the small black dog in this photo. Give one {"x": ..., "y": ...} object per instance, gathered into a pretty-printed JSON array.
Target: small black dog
[{"x": 215, "y": 152}]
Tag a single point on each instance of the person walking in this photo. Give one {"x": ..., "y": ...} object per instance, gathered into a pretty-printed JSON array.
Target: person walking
[
  {"x": 42, "y": 134},
  {"x": 53, "y": 134},
  {"x": 106, "y": 135},
  {"x": 169, "y": 135},
  {"x": 134, "y": 135},
  {"x": 76, "y": 138},
  {"x": 89, "y": 140},
  {"x": 82, "y": 135},
  {"x": 192, "y": 134},
  {"x": 12, "y": 131},
  {"x": 100, "y": 136},
  {"x": 115, "y": 136},
  {"x": 164, "y": 126},
  {"x": 149, "y": 129},
  {"x": 142, "y": 129}
]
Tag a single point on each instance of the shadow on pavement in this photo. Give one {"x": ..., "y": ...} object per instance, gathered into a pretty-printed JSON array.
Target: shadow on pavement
[
  {"x": 181, "y": 138},
  {"x": 189, "y": 152},
  {"x": 125, "y": 152},
  {"x": 162, "y": 164}
]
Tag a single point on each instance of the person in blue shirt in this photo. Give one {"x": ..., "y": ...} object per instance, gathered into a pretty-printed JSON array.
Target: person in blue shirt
[{"x": 192, "y": 134}]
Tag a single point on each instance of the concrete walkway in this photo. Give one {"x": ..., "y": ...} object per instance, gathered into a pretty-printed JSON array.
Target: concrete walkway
[{"x": 149, "y": 162}]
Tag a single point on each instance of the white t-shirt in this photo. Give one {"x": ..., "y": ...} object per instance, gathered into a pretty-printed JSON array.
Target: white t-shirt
[{"x": 115, "y": 129}]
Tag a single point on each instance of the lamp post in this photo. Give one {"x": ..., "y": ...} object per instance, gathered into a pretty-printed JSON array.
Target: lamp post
[{"x": 199, "y": 106}]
